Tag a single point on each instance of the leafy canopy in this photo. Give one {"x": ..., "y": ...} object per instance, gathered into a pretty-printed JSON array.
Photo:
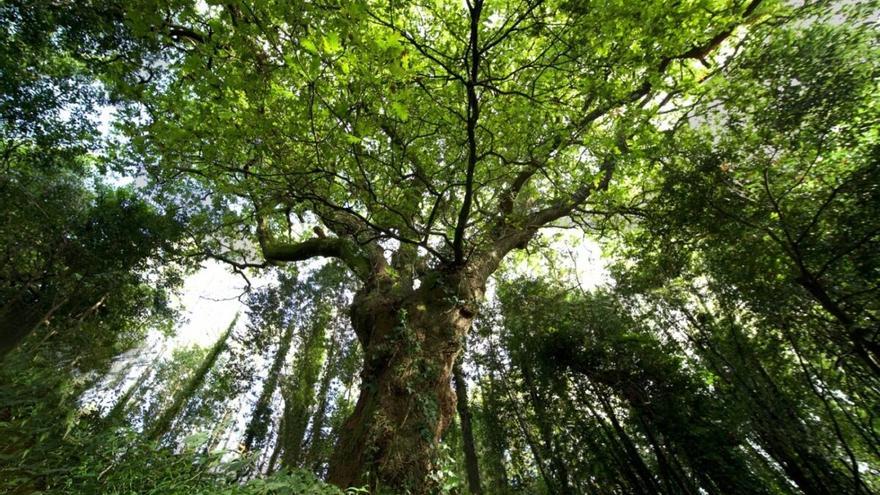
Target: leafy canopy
[{"x": 454, "y": 130}]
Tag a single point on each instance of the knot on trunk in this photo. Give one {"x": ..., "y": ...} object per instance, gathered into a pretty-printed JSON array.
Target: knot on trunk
[{"x": 467, "y": 311}]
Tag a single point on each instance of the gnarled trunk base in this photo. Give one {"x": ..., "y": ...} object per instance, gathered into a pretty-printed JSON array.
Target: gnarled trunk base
[{"x": 406, "y": 400}]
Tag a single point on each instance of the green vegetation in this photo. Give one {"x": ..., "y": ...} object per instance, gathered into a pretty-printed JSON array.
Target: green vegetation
[{"x": 407, "y": 190}]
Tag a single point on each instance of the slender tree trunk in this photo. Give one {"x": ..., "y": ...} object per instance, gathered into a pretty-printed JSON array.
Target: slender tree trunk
[
  {"x": 410, "y": 343},
  {"x": 634, "y": 484},
  {"x": 496, "y": 436},
  {"x": 644, "y": 477},
  {"x": 256, "y": 431},
  {"x": 866, "y": 349},
  {"x": 163, "y": 423},
  {"x": 769, "y": 407},
  {"x": 216, "y": 437},
  {"x": 464, "y": 414},
  {"x": 120, "y": 409},
  {"x": 667, "y": 469},
  {"x": 560, "y": 472},
  {"x": 316, "y": 444},
  {"x": 530, "y": 441},
  {"x": 276, "y": 450},
  {"x": 853, "y": 465},
  {"x": 299, "y": 392}
]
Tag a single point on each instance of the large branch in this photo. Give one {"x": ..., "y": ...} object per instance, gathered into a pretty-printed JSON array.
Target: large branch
[
  {"x": 508, "y": 196},
  {"x": 578, "y": 198},
  {"x": 696, "y": 52},
  {"x": 181, "y": 32},
  {"x": 327, "y": 247}
]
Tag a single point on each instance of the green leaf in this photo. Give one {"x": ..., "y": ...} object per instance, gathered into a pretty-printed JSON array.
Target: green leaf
[
  {"x": 399, "y": 111},
  {"x": 308, "y": 45},
  {"x": 331, "y": 43}
]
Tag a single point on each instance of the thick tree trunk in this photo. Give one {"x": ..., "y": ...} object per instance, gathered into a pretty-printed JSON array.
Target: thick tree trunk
[
  {"x": 410, "y": 344},
  {"x": 467, "y": 433}
]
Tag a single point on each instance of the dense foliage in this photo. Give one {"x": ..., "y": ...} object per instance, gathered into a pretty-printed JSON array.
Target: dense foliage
[{"x": 407, "y": 191}]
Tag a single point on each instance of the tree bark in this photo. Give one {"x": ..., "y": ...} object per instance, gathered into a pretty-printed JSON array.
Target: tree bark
[
  {"x": 410, "y": 342},
  {"x": 464, "y": 414}
]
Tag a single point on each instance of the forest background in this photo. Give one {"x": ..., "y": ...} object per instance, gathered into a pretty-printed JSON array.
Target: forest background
[{"x": 533, "y": 246}]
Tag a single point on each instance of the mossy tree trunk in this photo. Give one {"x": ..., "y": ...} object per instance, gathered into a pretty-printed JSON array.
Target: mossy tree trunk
[
  {"x": 411, "y": 317},
  {"x": 318, "y": 439},
  {"x": 406, "y": 401}
]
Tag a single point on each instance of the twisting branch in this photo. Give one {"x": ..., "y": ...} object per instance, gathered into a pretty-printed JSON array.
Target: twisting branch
[
  {"x": 238, "y": 267},
  {"x": 506, "y": 30},
  {"x": 644, "y": 90},
  {"x": 328, "y": 247},
  {"x": 579, "y": 197},
  {"x": 418, "y": 167}
]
